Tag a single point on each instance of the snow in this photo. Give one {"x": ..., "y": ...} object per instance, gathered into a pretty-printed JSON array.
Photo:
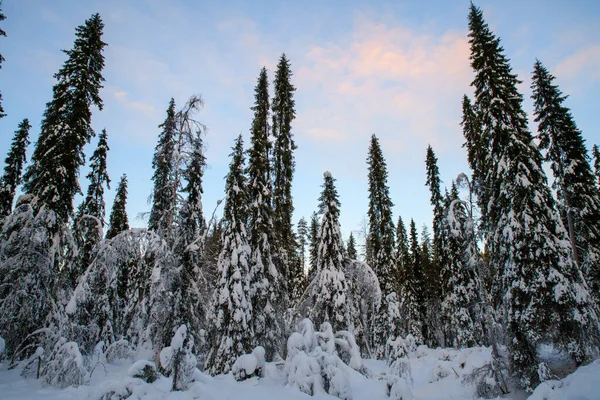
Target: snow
[{"x": 116, "y": 378}]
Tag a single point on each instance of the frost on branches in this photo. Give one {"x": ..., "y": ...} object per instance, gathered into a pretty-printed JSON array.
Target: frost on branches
[{"x": 127, "y": 292}]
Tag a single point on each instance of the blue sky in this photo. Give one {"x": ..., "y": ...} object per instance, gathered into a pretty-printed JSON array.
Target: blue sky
[{"x": 394, "y": 68}]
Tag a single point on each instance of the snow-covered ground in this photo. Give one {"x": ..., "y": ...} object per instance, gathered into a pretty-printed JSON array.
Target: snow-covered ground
[{"x": 436, "y": 374}]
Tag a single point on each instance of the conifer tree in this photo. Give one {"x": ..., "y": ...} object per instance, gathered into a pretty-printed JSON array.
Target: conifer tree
[
  {"x": 89, "y": 219},
  {"x": 2, "y": 33},
  {"x": 302, "y": 240},
  {"x": 13, "y": 166},
  {"x": 402, "y": 252},
  {"x": 329, "y": 290},
  {"x": 380, "y": 238},
  {"x": 462, "y": 295},
  {"x": 578, "y": 196},
  {"x": 118, "y": 221},
  {"x": 313, "y": 241},
  {"x": 439, "y": 257},
  {"x": 52, "y": 178},
  {"x": 596, "y": 155},
  {"x": 283, "y": 169},
  {"x": 266, "y": 286},
  {"x": 232, "y": 317},
  {"x": 539, "y": 283},
  {"x": 164, "y": 193},
  {"x": 351, "y": 249},
  {"x": 410, "y": 283}
]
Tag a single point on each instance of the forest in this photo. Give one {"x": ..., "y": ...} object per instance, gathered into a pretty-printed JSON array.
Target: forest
[{"x": 511, "y": 267}]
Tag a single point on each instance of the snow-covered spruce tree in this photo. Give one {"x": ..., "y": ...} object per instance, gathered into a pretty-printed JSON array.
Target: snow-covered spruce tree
[
  {"x": 13, "y": 166},
  {"x": 380, "y": 239},
  {"x": 411, "y": 283},
  {"x": 34, "y": 247},
  {"x": 351, "y": 248},
  {"x": 436, "y": 199},
  {"x": 462, "y": 303},
  {"x": 2, "y": 33},
  {"x": 574, "y": 180},
  {"x": 118, "y": 221},
  {"x": 191, "y": 226},
  {"x": 89, "y": 218},
  {"x": 231, "y": 317},
  {"x": 266, "y": 286},
  {"x": 328, "y": 293},
  {"x": 596, "y": 155},
  {"x": 283, "y": 167},
  {"x": 545, "y": 299},
  {"x": 164, "y": 192},
  {"x": 52, "y": 178},
  {"x": 313, "y": 246}
]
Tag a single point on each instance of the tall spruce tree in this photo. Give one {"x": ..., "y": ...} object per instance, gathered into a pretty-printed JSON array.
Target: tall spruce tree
[
  {"x": 596, "y": 155},
  {"x": 380, "y": 239},
  {"x": 266, "y": 287},
  {"x": 544, "y": 297},
  {"x": 13, "y": 166},
  {"x": 232, "y": 316},
  {"x": 328, "y": 292},
  {"x": 2, "y": 33},
  {"x": 437, "y": 202},
  {"x": 303, "y": 237},
  {"x": 283, "y": 167},
  {"x": 52, "y": 178},
  {"x": 313, "y": 245},
  {"x": 89, "y": 218},
  {"x": 351, "y": 248},
  {"x": 118, "y": 221},
  {"x": 574, "y": 180},
  {"x": 164, "y": 193}
]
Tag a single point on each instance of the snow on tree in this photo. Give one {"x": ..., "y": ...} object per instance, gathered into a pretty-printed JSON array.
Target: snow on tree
[
  {"x": 13, "y": 166},
  {"x": 89, "y": 218},
  {"x": 231, "y": 318},
  {"x": 118, "y": 221},
  {"x": 299, "y": 279},
  {"x": 380, "y": 239},
  {"x": 313, "y": 247},
  {"x": 578, "y": 195},
  {"x": 544, "y": 296},
  {"x": 2, "y": 33},
  {"x": 65, "y": 366},
  {"x": 164, "y": 193},
  {"x": 178, "y": 361},
  {"x": 314, "y": 365},
  {"x": 328, "y": 293},
  {"x": 283, "y": 166},
  {"x": 35, "y": 252},
  {"x": 127, "y": 292},
  {"x": 52, "y": 178},
  {"x": 249, "y": 365},
  {"x": 462, "y": 305},
  {"x": 596, "y": 154},
  {"x": 266, "y": 282}
]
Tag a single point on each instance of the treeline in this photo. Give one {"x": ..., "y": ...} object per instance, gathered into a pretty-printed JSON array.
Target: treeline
[{"x": 240, "y": 282}]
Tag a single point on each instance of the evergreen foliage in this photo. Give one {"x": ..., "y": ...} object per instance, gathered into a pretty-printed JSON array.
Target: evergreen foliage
[
  {"x": 596, "y": 155},
  {"x": 164, "y": 193},
  {"x": 266, "y": 286},
  {"x": 313, "y": 240},
  {"x": 380, "y": 239},
  {"x": 540, "y": 285},
  {"x": 118, "y": 221},
  {"x": 89, "y": 219},
  {"x": 2, "y": 33},
  {"x": 303, "y": 240},
  {"x": 283, "y": 167},
  {"x": 351, "y": 248},
  {"x": 574, "y": 180},
  {"x": 13, "y": 166},
  {"x": 52, "y": 178},
  {"x": 329, "y": 291},
  {"x": 232, "y": 310}
]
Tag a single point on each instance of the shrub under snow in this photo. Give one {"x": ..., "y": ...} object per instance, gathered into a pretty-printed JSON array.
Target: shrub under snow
[
  {"x": 177, "y": 359},
  {"x": 248, "y": 365},
  {"x": 319, "y": 362},
  {"x": 65, "y": 365}
]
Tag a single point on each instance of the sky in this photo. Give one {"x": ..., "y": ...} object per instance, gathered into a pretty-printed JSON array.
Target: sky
[{"x": 396, "y": 69}]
